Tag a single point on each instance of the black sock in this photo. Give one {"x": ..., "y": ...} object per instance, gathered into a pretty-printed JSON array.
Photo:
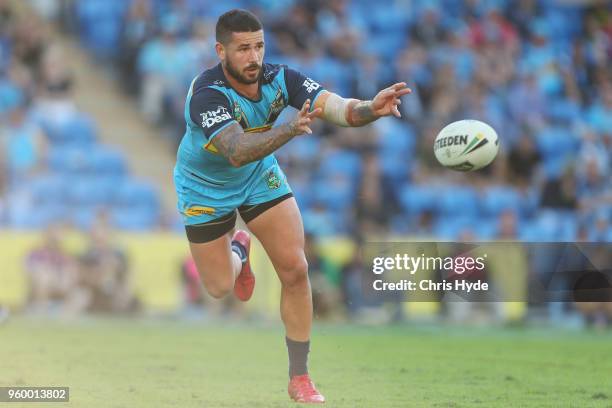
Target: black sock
[
  {"x": 298, "y": 356},
  {"x": 238, "y": 248}
]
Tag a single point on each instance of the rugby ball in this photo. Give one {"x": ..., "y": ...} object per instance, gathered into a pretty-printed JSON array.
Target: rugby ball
[{"x": 466, "y": 145}]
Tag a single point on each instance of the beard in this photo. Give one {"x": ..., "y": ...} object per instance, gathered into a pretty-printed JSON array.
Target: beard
[{"x": 239, "y": 76}]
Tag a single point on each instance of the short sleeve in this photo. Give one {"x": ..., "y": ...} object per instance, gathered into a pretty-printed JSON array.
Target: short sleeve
[
  {"x": 210, "y": 109},
  {"x": 300, "y": 88}
]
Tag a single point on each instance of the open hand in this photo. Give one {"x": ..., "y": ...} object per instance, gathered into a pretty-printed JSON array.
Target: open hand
[
  {"x": 385, "y": 103},
  {"x": 301, "y": 123}
]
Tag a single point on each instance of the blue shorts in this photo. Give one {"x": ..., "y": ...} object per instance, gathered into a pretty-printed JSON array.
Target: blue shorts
[{"x": 202, "y": 201}]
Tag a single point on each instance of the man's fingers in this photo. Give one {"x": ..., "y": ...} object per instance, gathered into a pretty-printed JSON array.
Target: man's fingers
[
  {"x": 305, "y": 106},
  {"x": 396, "y": 112},
  {"x": 314, "y": 113},
  {"x": 403, "y": 92}
]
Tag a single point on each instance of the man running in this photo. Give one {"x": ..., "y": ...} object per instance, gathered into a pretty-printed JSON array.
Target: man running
[{"x": 225, "y": 163}]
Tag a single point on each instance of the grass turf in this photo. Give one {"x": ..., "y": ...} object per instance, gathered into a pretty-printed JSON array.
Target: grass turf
[{"x": 148, "y": 364}]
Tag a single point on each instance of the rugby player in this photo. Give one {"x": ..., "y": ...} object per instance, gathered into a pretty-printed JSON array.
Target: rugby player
[{"x": 225, "y": 164}]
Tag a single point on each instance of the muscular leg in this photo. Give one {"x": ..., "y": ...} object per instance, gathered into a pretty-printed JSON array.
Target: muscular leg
[
  {"x": 280, "y": 231},
  {"x": 217, "y": 264}
]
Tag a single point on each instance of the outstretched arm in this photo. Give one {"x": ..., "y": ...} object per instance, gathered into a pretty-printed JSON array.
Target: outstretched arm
[
  {"x": 240, "y": 148},
  {"x": 353, "y": 112}
]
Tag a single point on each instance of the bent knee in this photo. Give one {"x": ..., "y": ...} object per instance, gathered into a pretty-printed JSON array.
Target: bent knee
[
  {"x": 294, "y": 272},
  {"x": 219, "y": 288}
]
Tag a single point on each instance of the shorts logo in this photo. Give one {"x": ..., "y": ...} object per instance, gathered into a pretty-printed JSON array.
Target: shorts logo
[
  {"x": 210, "y": 118},
  {"x": 310, "y": 85},
  {"x": 272, "y": 179},
  {"x": 199, "y": 210}
]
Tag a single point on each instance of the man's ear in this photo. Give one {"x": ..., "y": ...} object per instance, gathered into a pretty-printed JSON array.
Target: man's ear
[{"x": 220, "y": 49}]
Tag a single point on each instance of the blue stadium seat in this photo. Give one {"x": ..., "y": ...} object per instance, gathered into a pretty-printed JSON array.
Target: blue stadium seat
[
  {"x": 496, "y": 200},
  {"x": 138, "y": 218},
  {"x": 385, "y": 45},
  {"x": 33, "y": 216},
  {"x": 83, "y": 217},
  {"x": 458, "y": 201},
  {"x": 546, "y": 226},
  {"x": 395, "y": 145},
  {"x": 81, "y": 130},
  {"x": 553, "y": 167},
  {"x": 450, "y": 227},
  {"x": 303, "y": 149},
  {"x": 336, "y": 193},
  {"x": 390, "y": 19},
  {"x": 485, "y": 229},
  {"x": 107, "y": 161},
  {"x": 48, "y": 190},
  {"x": 555, "y": 141},
  {"x": 341, "y": 162},
  {"x": 134, "y": 193},
  {"x": 395, "y": 136},
  {"x": 563, "y": 110},
  {"x": 100, "y": 23},
  {"x": 416, "y": 199},
  {"x": 69, "y": 160},
  {"x": 91, "y": 190},
  {"x": 302, "y": 192}
]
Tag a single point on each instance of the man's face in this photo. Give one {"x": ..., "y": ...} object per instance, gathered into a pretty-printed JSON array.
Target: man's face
[{"x": 243, "y": 56}]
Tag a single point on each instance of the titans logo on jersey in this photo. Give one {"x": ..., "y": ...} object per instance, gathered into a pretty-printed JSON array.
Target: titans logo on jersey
[{"x": 212, "y": 104}]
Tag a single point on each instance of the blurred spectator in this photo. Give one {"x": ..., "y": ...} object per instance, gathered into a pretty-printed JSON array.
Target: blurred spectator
[
  {"x": 55, "y": 105},
  {"x": 353, "y": 275},
  {"x": 296, "y": 34},
  {"x": 523, "y": 161},
  {"x": 592, "y": 288},
  {"x": 161, "y": 65},
  {"x": 104, "y": 275},
  {"x": 594, "y": 187},
  {"x": 429, "y": 31},
  {"x": 52, "y": 276},
  {"x": 508, "y": 226},
  {"x": 341, "y": 32},
  {"x": 560, "y": 193},
  {"x": 197, "y": 303},
  {"x": 30, "y": 42},
  {"x": 23, "y": 146},
  {"x": 138, "y": 27},
  {"x": 193, "y": 293},
  {"x": 602, "y": 227},
  {"x": 372, "y": 211},
  {"x": 324, "y": 280}
]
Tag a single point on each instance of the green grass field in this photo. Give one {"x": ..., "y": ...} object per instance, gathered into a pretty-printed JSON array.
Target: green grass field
[{"x": 157, "y": 364}]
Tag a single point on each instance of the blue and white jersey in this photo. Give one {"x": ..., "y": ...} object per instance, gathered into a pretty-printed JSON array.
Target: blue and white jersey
[{"x": 212, "y": 104}]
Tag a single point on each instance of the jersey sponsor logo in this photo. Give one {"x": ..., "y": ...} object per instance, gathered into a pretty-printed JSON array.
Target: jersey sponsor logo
[
  {"x": 199, "y": 210},
  {"x": 211, "y": 118},
  {"x": 310, "y": 85},
  {"x": 218, "y": 82}
]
